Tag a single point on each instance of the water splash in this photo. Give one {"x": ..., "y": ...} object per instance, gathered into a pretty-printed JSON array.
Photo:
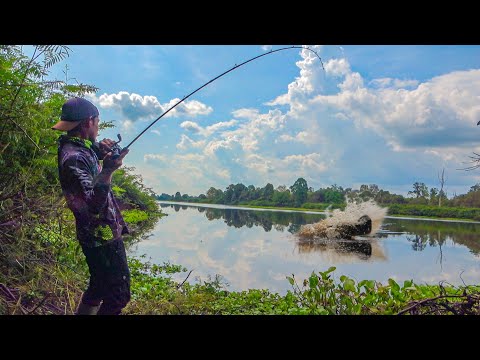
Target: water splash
[{"x": 328, "y": 227}]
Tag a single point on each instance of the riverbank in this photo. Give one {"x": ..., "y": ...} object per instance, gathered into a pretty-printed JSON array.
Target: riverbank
[
  {"x": 60, "y": 280},
  {"x": 240, "y": 207},
  {"x": 394, "y": 212},
  {"x": 427, "y": 218}
]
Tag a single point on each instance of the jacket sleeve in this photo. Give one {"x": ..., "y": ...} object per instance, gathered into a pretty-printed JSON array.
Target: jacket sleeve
[{"x": 83, "y": 188}]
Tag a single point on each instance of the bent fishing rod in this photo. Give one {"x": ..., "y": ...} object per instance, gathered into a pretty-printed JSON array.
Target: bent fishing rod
[{"x": 116, "y": 149}]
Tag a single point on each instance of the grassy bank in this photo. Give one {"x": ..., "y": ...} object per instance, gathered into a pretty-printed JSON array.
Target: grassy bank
[
  {"x": 46, "y": 273},
  {"x": 433, "y": 217}
]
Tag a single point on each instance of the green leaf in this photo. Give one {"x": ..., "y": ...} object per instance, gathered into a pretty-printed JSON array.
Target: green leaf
[
  {"x": 349, "y": 285},
  {"x": 330, "y": 269},
  {"x": 394, "y": 285},
  {"x": 313, "y": 281},
  {"x": 358, "y": 308},
  {"x": 290, "y": 280}
]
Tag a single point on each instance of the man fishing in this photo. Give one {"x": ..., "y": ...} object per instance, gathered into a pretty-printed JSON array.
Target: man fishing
[{"x": 86, "y": 185}]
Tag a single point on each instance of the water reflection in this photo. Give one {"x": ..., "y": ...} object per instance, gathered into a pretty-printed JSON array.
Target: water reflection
[
  {"x": 258, "y": 249},
  {"x": 280, "y": 221},
  {"x": 361, "y": 248},
  {"x": 423, "y": 233},
  {"x": 334, "y": 250},
  {"x": 419, "y": 233}
]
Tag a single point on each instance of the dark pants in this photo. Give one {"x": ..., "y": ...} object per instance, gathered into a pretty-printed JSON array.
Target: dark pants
[{"x": 109, "y": 278}]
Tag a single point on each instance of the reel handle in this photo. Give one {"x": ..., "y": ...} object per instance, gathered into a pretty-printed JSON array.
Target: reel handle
[{"x": 116, "y": 149}]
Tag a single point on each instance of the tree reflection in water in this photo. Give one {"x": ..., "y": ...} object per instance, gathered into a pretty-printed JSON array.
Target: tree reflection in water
[
  {"x": 268, "y": 220},
  {"x": 423, "y": 233},
  {"x": 361, "y": 248},
  {"x": 284, "y": 221},
  {"x": 420, "y": 233}
]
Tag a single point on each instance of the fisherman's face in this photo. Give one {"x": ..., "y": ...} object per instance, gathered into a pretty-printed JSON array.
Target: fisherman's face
[{"x": 93, "y": 128}]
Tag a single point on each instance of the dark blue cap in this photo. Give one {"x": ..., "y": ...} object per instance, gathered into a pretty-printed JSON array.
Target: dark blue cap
[{"x": 75, "y": 110}]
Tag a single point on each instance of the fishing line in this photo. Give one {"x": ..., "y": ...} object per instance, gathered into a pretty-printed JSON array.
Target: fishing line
[{"x": 117, "y": 149}]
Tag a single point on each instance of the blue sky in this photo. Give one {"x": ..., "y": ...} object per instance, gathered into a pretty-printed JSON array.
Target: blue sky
[{"x": 386, "y": 115}]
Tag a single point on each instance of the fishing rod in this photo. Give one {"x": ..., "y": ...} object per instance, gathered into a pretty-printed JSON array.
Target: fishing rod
[{"x": 116, "y": 149}]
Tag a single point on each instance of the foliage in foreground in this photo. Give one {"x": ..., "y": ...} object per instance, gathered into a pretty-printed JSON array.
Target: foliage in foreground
[
  {"x": 42, "y": 267},
  {"x": 154, "y": 292}
]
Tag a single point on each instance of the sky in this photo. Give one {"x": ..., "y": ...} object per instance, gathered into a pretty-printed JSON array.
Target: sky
[{"x": 390, "y": 115}]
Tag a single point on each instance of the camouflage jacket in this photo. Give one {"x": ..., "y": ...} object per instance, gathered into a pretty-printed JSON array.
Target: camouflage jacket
[{"x": 97, "y": 215}]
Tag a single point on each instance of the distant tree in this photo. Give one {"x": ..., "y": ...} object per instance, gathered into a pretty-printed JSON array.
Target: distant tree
[
  {"x": 178, "y": 196},
  {"x": 420, "y": 190},
  {"x": 252, "y": 194},
  {"x": 268, "y": 191},
  {"x": 299, "y": 190},
  {"x": 282, "y": 198},
  {"x": 352, "y": 195},
  {"x": 442, "y": 195},
  {"x": 282, "y": 188},
  {"x": 441, "y": 179},
  {"x": 164, "y": 197},
  {"x": 240, "y": 192},
  {"x": 333, "y": 195},
  {"x": 474, "y": 188},
  {"x": 384, "y": 197},
  {"x": 365, "y": 193},
  {"x": 317, "y": 196},
  {"x": 368, "y": 192},
  {"x": 374, "y": 189},
  {"x": 434, "y": 195},
  {"x": 211, "y": 193},
  {"x": 471, "y": 199},
  {"x": 229, "y": 194}
]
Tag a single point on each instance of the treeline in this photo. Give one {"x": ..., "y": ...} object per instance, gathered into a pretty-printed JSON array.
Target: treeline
[{"x": 301, "y": 195}]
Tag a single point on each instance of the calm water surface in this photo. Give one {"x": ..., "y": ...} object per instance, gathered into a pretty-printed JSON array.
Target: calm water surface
[{"x": 258, "y": 249}]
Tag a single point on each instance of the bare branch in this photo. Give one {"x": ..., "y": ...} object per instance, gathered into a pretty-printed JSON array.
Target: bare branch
[
  {"x": 24, "y": 131},
  {"x": 39, "y": 304},
  {"x": 428, "y": 300},
  {"x": 179, "y": 286}
]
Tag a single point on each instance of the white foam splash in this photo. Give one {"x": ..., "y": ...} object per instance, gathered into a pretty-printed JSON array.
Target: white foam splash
[{"x": 353, "y": 211}]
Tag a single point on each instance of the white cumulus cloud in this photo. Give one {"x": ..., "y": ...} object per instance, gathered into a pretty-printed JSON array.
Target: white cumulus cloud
[
  {"x": 186, "y": 142},
  {"x": 136, "y": 107}
]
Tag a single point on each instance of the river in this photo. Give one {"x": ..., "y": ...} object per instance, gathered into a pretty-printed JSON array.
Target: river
[{"x": 252, "y": 248}]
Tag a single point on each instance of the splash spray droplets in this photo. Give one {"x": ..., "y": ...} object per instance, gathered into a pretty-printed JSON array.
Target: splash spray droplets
[{"x": 336, "y": 220}]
